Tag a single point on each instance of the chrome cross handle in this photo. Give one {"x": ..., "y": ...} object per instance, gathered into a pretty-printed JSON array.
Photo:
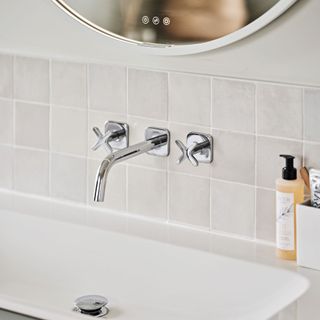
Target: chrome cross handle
[
  {"x": 115, "y": 137},
  {"x": 198, "y": 149}
]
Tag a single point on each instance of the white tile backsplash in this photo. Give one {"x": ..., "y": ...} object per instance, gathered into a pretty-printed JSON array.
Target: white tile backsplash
[
  {"x": 266, "y": 215},
  {"x": 233, "y": 208},
  {"x": 48, "y": 109},
  {"x": 69, "y": 84},
  {"x": 189, "y": 200},
  {"x": 32, "y": 125},
  {"x": 6, "y": 167},
  {"x": 190, "y": 99},
  {"x": 311, "y": 115},
  {"x": 234, "y": 156},
  {"x": 31, "y": 79},
  {"x": 69, "y": 130},
  {"x": 312, "y": 155},
  {"x": 68, "y": 177},
  {"x": 6, "y": 76},
  {"x": 148, "y": 94},
  {"x": 233, "y": 105},
  {"x": 147, "y": 192},
  {"x": 279, "y": 111},
  {"x": 108, "y": 88},
  {"x": 6, "y": 121},
  {"x": 31, "y": 171}
]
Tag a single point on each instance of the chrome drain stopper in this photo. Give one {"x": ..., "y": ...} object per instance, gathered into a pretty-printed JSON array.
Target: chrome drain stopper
[{"x": 92, "y": 305}]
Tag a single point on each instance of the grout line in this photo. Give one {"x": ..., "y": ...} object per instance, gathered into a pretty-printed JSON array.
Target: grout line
[
  {"x": 133, "y": 165},
  {"x": 168, "y": 196},
  {"x": 50, "y": 128},
  {"x": 255, "y": 160},
  {"x": 127, "y": 91},
  {"x": 211, "y": 213},
  {"x": 232, "y": 182},
  {"x": 127, "y": 189},
  {"x": 13, "y": 173}
]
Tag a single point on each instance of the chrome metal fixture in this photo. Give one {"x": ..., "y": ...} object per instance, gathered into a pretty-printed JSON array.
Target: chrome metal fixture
[
  {"x": 115, "y": 137},
  {"x": 91, "y": 305},
  {"x": 198, "y": 149},
  {"x": 157, "y": 142}
]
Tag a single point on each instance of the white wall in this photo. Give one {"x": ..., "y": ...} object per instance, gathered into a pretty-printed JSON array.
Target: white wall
[{"x": 286, "y": 51}]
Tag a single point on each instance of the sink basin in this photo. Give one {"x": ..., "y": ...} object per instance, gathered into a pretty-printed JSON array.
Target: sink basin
[{"x": 45, "y": 265}]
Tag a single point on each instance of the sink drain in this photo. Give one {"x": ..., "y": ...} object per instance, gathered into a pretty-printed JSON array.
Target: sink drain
[{"x": 91, "y": 305}]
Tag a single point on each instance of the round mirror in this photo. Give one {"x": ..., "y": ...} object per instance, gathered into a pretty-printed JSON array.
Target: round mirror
[{"x": 176, "y": 26}]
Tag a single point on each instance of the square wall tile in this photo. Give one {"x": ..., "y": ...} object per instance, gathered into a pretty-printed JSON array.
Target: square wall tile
[
  {"x": 148, "y": 94},
  {"x": 190, "y": 99},
  {"x": 32, "y": 125},
  {"x": 116, "y": 189},
  {"x": 6, "y": 122},
  {"x": 311, "y": 115},
  {"x": 69, "y": 177},
  {"x": 279, "y": 111},
  {"x": 98, "y": 119},
  {"x": 137, "y": 134},
  {"x": 69, "y": 84},
  {"x": 189, "y": 199},
  {"x": 69, "y": 130},
  {"x": 233, "y": 208},
  {"x": 108, "y": 88},
  {"x": 31, "y": 171},
  {"x": 234, "y": 157},
  {"x": 31, "y": 79},
  {"x": 6, "y": 76},
  {"x": 6, "y": 167},
  {"x": 147, "y": 192},
  {"x": 311, "y": 155},
  {"x": 233, "y": 105},
  {"x": 266, "y": 215},
  {"x": 179, "y": 132},
  {"x": 269, "y": 164}
]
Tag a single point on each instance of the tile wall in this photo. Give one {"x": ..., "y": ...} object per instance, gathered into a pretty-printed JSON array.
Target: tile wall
[{"x": 48, "y": 107}]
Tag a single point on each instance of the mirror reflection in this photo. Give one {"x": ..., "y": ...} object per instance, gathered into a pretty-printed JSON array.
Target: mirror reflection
[{"x": 170, "y": 21}]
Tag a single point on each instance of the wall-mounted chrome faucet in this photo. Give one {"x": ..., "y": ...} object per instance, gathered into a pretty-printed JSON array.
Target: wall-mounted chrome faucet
[
  {"x": 115, "y": 137},
  {"x": 157, "y": 142},
  {"x": 198, "y": 149},
  {"x": 115, "y": 140}
]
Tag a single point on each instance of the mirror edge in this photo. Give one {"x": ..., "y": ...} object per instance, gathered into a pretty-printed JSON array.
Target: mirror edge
[{"x": 174, "y": 50}]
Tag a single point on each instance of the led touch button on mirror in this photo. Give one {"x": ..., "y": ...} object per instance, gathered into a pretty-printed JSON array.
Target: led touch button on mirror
[
  {"x": 145, "y": 19},
  {"x": 166, "y": 21},
  {"x": 155, "y": 20}
]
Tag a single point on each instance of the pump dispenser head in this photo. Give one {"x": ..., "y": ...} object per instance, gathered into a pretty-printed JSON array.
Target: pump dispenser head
[{"x": 289, "y": 172}]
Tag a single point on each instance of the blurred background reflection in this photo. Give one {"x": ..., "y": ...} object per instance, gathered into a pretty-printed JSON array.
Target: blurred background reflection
[{"x": 171, "y": 21}]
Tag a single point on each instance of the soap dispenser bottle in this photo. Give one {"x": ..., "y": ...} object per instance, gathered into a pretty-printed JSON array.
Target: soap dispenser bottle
[{"x": 290, "y": 191}]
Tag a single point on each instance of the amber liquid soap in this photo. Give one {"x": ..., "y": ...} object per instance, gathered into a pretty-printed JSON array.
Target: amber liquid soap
[{"x": 290, "y": 192}]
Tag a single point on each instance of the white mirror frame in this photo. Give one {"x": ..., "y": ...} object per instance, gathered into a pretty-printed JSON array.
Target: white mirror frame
[{"x": 164, "y": 49}]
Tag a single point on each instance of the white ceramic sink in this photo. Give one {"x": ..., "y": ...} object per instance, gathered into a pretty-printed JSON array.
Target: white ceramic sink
[{"x": 45, "y": 265}]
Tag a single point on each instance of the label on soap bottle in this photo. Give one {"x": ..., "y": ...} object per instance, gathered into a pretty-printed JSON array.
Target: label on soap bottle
[{"x": 285, "y": 221}]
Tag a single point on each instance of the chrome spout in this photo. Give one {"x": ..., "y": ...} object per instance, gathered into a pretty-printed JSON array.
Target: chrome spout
[{"x": 123, "y": 155}]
